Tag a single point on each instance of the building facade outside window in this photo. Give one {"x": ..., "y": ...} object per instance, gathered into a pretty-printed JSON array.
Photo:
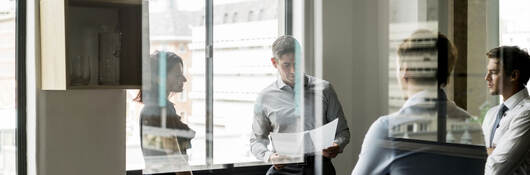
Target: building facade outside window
[
  {"x": 242, "y": 52},
  {"x": 8, "y": 114}
]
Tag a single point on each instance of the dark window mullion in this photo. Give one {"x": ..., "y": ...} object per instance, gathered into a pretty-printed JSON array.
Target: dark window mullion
[
  {"x": 209, "y": 81},
  {"x": 441, "y": 104},
  {"x": 288, "y": 17},
  {"x": 20, "y": 78},
  {"x": 441, "y": 100}
]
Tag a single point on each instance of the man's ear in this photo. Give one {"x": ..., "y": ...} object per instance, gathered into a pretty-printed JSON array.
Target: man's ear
[
  {"x": 274, "y": 62},
  {"x": 514, "y": 77}
]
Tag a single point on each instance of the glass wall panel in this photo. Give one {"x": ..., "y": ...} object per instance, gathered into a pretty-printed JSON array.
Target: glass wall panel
[
  {"x": 8, "y": 115},
  {"x": 434, "y": 62},
  {"x": 405, "y": 20},
  {"x": 423, "y": 57},
  {"x": 513, "y": 28},
  {"x": 173, "y": 112},
  {"x": 244, "y": 31},
  {"x": 133, "y": 152}
]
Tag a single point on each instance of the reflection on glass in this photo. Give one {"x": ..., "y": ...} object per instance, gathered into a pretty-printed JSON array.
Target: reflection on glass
[
  {"x": 80, "y": 70},
  {"x": 424, "y": 64},
  {"x": 299, "y": 115},
  {"x": 172, "y": 116},
  {"x": 8, "y": 149},
  {"x": 514, "y": 31},
  {"x": 404, "y": 22},
  {"x": 242, "y": 52},
  {"x": 165, "y": 137},
  {"x": 133, "y": 152},
  {"x": 416, "y": 60},
  {"x": 109, "y": 57}
]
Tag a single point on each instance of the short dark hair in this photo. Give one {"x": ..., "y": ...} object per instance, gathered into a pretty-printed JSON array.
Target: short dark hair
[
  {"x": 283, "y": 45},
  {"x": 426, "y": 41},
  {"x": 512, "y": 58}
]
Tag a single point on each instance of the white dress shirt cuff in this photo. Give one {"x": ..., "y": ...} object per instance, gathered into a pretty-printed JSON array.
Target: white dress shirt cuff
[{"x": 266, "y": 157}]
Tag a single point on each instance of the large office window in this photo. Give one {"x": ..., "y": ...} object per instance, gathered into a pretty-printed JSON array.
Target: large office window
[
  {"x": 241, "y": 68},
  {"x": 430, "y": 104},
  {"x": 513, "y": 28},
  {"x": 175, "y": 141},
  {"x": 8, "y": 107}
]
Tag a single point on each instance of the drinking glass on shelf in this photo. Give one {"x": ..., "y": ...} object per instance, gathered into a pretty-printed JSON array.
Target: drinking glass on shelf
[
  {"x": 109, "y": 58},
  {"x": 80, "y": 70}
]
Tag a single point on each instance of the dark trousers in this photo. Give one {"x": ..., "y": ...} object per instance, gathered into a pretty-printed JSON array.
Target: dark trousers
[{"x": 306, "y": 168}]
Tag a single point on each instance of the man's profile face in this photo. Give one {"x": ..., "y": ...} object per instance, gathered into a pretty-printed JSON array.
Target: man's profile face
[
  {"x": 285, "y": 66},
  {"x": 494, "y": 77}
]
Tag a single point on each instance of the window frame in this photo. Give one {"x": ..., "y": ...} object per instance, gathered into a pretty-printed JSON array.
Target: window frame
[
  {"x": 446, "y": 149},
  {"x": 286, "y": 19},
  {"x": 20, "y": 81}
]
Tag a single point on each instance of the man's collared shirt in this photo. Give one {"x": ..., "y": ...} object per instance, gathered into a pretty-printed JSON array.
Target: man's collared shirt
[
  {"x": 275, "y": 111},
  {"x": 381, "y": 155},
  {"x": 512, "y": 137}
]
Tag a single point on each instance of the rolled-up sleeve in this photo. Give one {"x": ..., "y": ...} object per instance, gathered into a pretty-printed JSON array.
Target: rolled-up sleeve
[
  {"x": 334, "y": 111},
  {"x": 259, "y": 139}
]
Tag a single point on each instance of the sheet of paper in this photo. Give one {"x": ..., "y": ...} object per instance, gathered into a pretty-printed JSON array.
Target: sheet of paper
[
  {"x": 296, "y": 144},
  {"x": 324, "y": 136},
  {"x": 289, "y": 144}
]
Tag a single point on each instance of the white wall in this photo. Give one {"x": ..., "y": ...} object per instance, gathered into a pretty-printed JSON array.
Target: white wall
[
  {"x": 354, "y": 58},
  {"x": 82, "y": 132}
]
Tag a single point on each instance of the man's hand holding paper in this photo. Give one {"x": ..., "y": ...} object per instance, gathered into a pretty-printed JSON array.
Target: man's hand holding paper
[{"x": 332, "y": 151}]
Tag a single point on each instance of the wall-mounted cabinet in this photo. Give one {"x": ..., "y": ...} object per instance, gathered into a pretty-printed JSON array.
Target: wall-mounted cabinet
[{"x": 90, "y": 44}]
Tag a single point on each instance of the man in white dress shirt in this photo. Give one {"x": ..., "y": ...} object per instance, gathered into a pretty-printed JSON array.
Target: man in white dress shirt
[{"x": 506, "y": 127}]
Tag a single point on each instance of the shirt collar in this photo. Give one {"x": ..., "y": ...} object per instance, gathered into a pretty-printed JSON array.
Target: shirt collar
[
  {"x": 425, "y": 98},
  {"x": 516, "y": 98},
  {"x": 280, "y": 84},
  {"x": 418, "y": 98}
]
